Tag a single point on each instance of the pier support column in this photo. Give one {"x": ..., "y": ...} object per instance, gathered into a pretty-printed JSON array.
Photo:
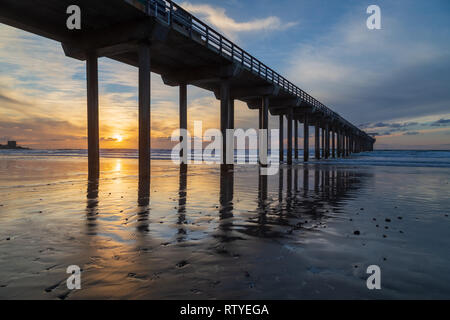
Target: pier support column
[
  {"x": 323, "y": 143},
  {"x": 289, "y": 136},
  {"x": 231, "y": 114},
  {"x": 349, "y": 137},
  {"x": 346, "y": 145},
  {"x": 333, "y": 144},
  {"x": 92, "y": 116},
  {"x": 317, "y": 141},
  {"x": 327, "y": 141},
  {"x": 306, "y": 139},
  {"x": 263, "y": 139},
  {"x": 230, "y": 139},
  {"x": 183, "y": 122},
  {"x": 350, "y": 144},
  {"x": 281, "y": 142},
  {"x": 296, "y": 139},
  {"x": 144, "y": 111},
  {"x": 224, "y": 117},
  {"x": 344, "y": 141},
  {"x": 338, "y": 141}
]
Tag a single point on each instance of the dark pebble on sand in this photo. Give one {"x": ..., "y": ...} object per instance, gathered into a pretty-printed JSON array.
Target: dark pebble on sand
[
  {"x": 50, "y": 289},
  {"x": 357, "y": 233},
  {"x": 446, "y": 215},
  {"x": 387, "y": 220},
  {"x": 182, "y": 263},
  {"x": 399, "y": 218},
  {"x": 361, "y": 209},
  {"x": 384, "y": 236},
  {"x": 64, "y": 295},
  {"x": 374, "y": 219},
  {"x": 8, "y": 238}
]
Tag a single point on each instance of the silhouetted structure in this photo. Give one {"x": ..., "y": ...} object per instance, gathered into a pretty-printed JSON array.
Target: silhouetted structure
[{"x": 161, "y": 37}]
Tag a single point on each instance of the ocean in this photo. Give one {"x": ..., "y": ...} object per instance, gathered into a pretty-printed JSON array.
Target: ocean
[{"x": 407, "y": 158}]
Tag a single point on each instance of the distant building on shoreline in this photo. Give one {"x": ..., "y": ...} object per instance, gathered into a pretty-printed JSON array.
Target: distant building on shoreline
[{"x": 12, "y": 145}]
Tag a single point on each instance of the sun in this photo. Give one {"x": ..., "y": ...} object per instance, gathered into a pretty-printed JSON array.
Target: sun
[{"x": 118, "y": 137}]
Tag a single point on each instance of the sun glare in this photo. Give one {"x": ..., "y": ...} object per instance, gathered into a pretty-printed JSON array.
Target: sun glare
[{"x": 118, "y": 137}]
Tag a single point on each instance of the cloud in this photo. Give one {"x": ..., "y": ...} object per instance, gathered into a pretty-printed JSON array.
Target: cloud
[
  {"x": 411, "y": 133},
  {"x": 441, "y": 122},
  {"x": 395, "y": 126},
  {"x": 376, "y": 75},
  {"x": 218, "y": 18}
]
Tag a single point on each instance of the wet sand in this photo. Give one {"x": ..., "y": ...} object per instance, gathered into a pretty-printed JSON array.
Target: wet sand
[{"x": 205, "y": 233}]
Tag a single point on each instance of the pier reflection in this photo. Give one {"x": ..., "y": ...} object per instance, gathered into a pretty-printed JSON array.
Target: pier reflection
[
  {"x": 203, "y": 217},
  {"x": 294, "y": 208},
  {"x": 182, "y": 202},
  {"x": 143, "y": 211},
  {"x": 92, "y": 205},
  {"x": 299, "y": 197}
]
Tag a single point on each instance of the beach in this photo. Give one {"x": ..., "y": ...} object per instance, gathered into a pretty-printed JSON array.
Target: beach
[{"x": 208, "y": 232}]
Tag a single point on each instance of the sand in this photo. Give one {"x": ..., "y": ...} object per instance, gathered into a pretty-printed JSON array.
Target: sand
[{"x": 206, "y": 234}]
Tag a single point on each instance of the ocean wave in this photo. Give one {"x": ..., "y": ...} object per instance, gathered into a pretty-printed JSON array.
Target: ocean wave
[{"x": 407, "y": 158}]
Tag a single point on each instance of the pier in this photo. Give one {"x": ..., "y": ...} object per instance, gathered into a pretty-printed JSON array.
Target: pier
[{"x": 159, "y": 36}]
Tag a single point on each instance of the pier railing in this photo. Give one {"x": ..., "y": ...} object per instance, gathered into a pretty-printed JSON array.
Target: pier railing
[{"x": 170, "y": 13}]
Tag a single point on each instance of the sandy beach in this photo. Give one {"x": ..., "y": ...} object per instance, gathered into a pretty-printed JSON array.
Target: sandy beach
[{"x": 205, "y": 233}]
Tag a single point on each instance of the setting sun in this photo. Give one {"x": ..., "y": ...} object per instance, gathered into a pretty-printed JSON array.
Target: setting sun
[{"x": 118, "y": 138}]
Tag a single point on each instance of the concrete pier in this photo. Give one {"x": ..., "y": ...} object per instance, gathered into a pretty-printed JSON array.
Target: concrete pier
[
  {"x": 296, "y": 139},
  {"x": 289, "y": 137},
  {"x": 92, "y": 116},
  {"x": 183, "y": 122},
  {"x": 224, "y": 116},
  {"x": 281, "y": 141},
  {"x": 317, "y": 141},
  {"x": 323, "y": 143},
  {"x": 144, "y": 111},
  {"x": 162, "y": 37},
  {"x": 333, "y": 146},
  {"x": 305, "y": 139},
  {"x": 264, "y": 125}
]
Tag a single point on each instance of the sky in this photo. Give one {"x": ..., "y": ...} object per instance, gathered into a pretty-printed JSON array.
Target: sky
[{"x": 393, "y": 82}]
